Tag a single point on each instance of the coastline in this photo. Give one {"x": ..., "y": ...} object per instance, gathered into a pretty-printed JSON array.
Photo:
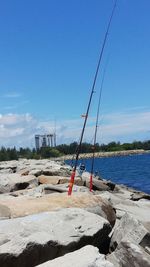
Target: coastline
[{"x": 105, "y": 154}]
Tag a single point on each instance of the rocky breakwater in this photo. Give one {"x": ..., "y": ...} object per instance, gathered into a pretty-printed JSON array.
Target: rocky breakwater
[{"x": 40, "y": 225}]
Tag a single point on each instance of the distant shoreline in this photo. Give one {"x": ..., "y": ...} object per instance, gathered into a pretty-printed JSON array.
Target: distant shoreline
[{"x": 107, "y": 154}]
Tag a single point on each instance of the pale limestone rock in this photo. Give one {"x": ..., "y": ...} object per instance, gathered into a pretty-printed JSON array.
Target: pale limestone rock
[
  {"x": 36, "y": 172},
  {"x": 87, "y": 256},
  {"x": 43, "y": 179},
  {"x": 129, "y": 254},
  {"x": 4, "y": 212},
  {"x": 130, "y": 229},
  {"x": 34, "y": 239},
  {"x": 26, "y": 205},
  {"x": 122, "y": 203},
  {"x": 14, "y": 181}
]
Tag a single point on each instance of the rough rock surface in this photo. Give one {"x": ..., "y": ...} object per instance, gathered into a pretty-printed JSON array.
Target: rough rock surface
[
  {"x": 61, "y": 188},
  {"x": 129, "y": 254},
  {"x": 43, "y": 179},
  {"x": 139, "y": 195},
  {"x": 42, "y": 190},
  {"x": 87, "y": 256},
  {"x": 24, "y": 205},
  {"x": 122, "y": 203},
  {"x": 43, "y": 166},
  {"x": 98, "y": 184},
  {"x": 130, "y": 229},
  {"x": 14, "y": 181},
  {"x": 30, "y": 186},
  {"x": 4, "y": 212},
  {"x": 31, "y": 240}
]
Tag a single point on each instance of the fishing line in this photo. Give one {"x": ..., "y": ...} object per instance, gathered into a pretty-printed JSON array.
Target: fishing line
[
  {"x": 96, "y": 128},
  {"x": 90, "y": 99}
]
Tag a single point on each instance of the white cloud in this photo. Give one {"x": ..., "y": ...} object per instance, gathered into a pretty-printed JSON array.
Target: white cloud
[
  {"x": 19, "y": 129},
  {"x": 14, "y": 119},
  {"x": 112, "y": 127},
  {"x": 15, "y": 129},
  {"x": 16, "y": 106},
  {"x": 12, "y": 95}
]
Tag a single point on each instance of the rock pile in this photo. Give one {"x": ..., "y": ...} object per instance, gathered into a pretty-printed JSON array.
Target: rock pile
[{"x": 40, "y": 225}]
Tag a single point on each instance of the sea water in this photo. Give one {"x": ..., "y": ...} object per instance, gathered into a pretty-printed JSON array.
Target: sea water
[{"x": 132, "y": 170}]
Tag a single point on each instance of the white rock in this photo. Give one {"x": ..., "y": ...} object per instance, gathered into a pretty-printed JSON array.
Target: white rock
[
  {"x": 14, "y": 181},
  {"x": 130, "y": 229},
  {"x": 87, "y": 256},
  {"x": 129, "y": 254},
  {"x": 25, "y": 205},
  {"x": 31, "y": 240}
]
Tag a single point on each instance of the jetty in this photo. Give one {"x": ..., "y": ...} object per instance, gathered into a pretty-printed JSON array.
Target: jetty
[
  {"x": 40, "y": 225},
  {"x": 105, "y": 154}
]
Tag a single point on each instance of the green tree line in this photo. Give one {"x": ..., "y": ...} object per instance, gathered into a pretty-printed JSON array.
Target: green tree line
[{"x": 64, "y": 149}]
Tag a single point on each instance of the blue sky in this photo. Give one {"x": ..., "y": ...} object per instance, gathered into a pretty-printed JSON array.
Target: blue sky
[{"x": 48, "y": 55}]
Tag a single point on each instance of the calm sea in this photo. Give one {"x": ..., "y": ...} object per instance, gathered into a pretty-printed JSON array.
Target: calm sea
[{"x": 133, "y": 171}]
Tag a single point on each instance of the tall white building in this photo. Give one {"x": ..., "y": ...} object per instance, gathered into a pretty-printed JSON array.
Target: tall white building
[{"x": 45, "y": 140}]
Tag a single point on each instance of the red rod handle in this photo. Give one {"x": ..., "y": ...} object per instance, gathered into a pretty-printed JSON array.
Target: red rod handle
[
  {"x": 91, "y": 179},
  {"x": 71, "y": 183}
]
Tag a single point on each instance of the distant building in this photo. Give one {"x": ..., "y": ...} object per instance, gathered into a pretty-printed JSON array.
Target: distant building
[
  {"x": 45, "y": 140},
  {"x": 37, "y": 142}
]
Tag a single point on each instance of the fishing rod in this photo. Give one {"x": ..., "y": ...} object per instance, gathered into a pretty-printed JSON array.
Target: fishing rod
[
  {"x": 90, "y": 99},
  {"x": 95, "y": 133}
]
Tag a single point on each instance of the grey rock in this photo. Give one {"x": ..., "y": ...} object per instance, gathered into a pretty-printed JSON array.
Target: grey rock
[
  {"x": 12, "y": 182},
  {"x": 44, "y": 166},
  {"x": 37, "y": 203},
  {"x": 139, "y": 195},
  {"x": 122, "y": 203},
  {"x": 4, "y": 212},
  {"x": 55, "y": 172},
  {"x": 98, "y": 185},
  {"x": 54, "y": 180},
  {"x": 36, "y": 172},
  {"x": 34, "y": 239},
  {"x": 87, "y": 256},
  {"x": 5, "y": 165},
  {"x": 6, "y": 171},
  {"x": 63, "y": 188},
  {"x": 130, "y": 229},
  {"x": 129, "y": 254}
]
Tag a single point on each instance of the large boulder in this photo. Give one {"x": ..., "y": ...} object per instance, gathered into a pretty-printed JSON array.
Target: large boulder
[
  {"x": 9, "y": 165},
  {"x": 139, "y": 210},
  {"x": 61, "y": 188},
  {"x": 130, "y": 229},
  {"x": 98, "y": 184},
  {"x": 87, "y": 256},
  {"x": 2, "y": 171},
  {"x": 130, "y": 242},
  {"x": 56, "y": 172},
  {"x": 22, "y": 206},
  {"x": 36, "y": 172},
  {"x": 42, "y": 190},
  {"x": 14, "y": 181},
  {"x": 43, "y": 179},
  {"x": 129, "y": 254},
  {"x": 34, "y": 239},
  {"x": 122, "y": 203},
  {"x": 43, "y": 166},
  {"x": 139, "y": 195},
  {"x": 4, "y": 212}
]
